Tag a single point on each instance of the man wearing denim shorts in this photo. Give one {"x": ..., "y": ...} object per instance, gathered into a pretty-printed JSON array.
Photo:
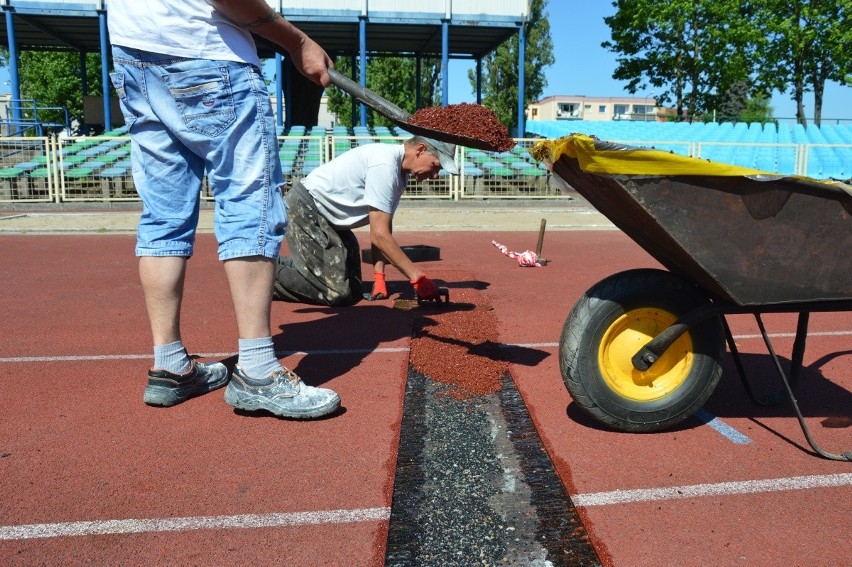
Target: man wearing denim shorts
[
  {"x": 361, "y": 187},
  {"x": 188, "y": 80}
]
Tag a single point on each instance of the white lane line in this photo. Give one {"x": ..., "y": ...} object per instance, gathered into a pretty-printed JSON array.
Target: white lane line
[
  {"x": 716, "y": 489},
  {"x": 793, "y": 335},
  {"x": 722, "y": 428},
  {"x": 528, "y": 345},
  {"x": 136, "y": 526},
  {"x": 279, "y": 353},
  {"x": 344, "y": 351}
]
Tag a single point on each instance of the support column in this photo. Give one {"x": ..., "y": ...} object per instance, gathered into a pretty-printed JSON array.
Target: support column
[
  {"x": 14, "y": 79},
  {"x": 288, "y": 92},
  {"x": 279, "y": 90},
  {"x": 102, "y": 24},
  {"x": 445, "y": 62},
  {"x": 418, "y": 77},
  {"x": 362, "y": 45},
  {"x": 522, "y": 48},
  {"x": 479, "y": 80},
  {"x": 353, "y": 64}
]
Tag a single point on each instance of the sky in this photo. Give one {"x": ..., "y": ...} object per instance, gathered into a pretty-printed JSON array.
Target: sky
[{"x": 583, "y": 67}]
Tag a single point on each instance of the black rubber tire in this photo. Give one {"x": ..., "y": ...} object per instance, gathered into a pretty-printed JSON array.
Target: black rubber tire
[{"x": 599, "y": 309}]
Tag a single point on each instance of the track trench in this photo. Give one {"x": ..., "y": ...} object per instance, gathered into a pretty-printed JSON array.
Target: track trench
[{"x": 473, "y": 483}]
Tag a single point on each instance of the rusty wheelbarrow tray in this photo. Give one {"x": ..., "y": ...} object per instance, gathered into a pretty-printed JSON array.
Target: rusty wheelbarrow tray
[{"x": 641, "y": 350}]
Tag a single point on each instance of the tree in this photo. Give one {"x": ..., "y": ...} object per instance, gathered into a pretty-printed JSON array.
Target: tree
[
  {"x": 808, "y": 45},
  {"x": 500, "y": 67},
  {"x": 55, "y": 78},
  {"x": 757, "y": 109},
  {"x": 733, "y": 101},
  {"x": 393, "y": 78},
  {"x": 695, "y": 52},
  {"x": 688, "y": 51}
]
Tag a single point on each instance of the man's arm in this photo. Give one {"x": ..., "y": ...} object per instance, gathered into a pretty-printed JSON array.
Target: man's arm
[
  {"x": 381, "y": 237},
  {"x": 258, "y": 17}
]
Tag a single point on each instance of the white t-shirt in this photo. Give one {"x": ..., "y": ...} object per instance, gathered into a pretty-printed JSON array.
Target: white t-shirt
[
  {"x": 366, "y": 176},
  {"x": 184, "y": 28}
]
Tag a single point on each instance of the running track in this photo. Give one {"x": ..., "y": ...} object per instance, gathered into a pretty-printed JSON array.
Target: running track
[{"x": 89, "y": 474}]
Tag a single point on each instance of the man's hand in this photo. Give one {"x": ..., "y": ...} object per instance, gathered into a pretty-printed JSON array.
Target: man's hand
[
  {"x": 380, "y": 288},
  {"x": 425, "y": 288}
]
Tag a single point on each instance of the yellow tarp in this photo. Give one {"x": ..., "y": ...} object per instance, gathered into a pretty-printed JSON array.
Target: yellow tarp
[{"x": 632, "y": 161}]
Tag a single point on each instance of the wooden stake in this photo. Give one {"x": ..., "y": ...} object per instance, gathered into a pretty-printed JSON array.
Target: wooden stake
[{"x": 540, "y": 237}]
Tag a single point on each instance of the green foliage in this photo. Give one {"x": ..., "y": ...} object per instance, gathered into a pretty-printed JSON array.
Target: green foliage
[
  {"x": 688, "y": 51},
  {"x": 55, "y": 78},
  {"x": 734, "y": 100},
  {"x": 500, "y": 67},
  {"x": 393, "y": 78},
  {"x": 696, "y": 53},
  {"x": 757, "y": 109},
  {"x": 808, "y": 44}
]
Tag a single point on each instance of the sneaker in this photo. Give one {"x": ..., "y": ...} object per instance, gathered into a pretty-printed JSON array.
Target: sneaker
[
  {"x": 167, "y": 389},
  {"x": 282, "y": 393}
]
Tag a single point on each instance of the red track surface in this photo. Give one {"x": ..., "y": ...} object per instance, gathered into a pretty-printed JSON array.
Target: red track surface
[{"x": 78, "y": 445}]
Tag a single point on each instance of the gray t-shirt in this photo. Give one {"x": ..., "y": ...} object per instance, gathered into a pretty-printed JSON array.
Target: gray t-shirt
[{"x": 366, "y": 176}]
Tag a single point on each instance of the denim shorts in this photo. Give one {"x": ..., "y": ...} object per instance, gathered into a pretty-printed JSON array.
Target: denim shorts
[{"x": 189, "y": 118}]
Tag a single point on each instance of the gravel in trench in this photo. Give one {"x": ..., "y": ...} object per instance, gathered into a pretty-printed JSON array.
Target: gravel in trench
[{"x": 473, "y": 483}]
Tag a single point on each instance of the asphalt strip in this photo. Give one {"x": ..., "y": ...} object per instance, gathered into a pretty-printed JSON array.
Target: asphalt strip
[{"x": 473, "y": 485}]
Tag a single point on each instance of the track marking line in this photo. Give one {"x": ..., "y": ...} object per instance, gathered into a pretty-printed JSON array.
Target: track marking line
[
  {"x": 152, "y": 525},
  {"x": 344, "y": 351},
  {"x": 279, "y": 353},
  {"x": 716, "y": 489},
  {"x": 722, "y": 428},
  {"x": 793, "y": 335}
]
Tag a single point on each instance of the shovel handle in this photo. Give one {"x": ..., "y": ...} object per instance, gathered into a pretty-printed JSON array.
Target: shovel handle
[{"x": 368, "y": 97}]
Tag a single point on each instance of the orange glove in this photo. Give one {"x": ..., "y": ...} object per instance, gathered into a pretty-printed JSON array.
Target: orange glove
[
  {"x": 425, "y": 288},
  {"x": 380, "y": 288}
]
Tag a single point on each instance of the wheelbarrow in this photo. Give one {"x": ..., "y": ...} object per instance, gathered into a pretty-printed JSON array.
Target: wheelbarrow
[{"x": 642, "y": 349}]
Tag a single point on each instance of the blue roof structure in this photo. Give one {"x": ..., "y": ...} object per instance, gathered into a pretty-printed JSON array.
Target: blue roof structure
[{"x": 462, "y": 29}]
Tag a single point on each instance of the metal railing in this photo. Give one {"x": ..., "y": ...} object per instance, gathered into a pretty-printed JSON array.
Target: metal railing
[{"x": 56, "y": 170}]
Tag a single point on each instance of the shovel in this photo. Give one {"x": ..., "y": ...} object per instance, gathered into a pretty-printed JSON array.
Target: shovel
[{"x": 400, "y": 117}]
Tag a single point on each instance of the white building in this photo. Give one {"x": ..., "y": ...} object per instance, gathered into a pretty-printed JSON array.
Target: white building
[{"x": 578, "y": 107}]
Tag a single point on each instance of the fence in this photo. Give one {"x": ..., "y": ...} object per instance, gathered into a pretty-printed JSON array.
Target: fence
[
  {"x": 55, "y": 170},
  {"x": 98, "y": 169}
]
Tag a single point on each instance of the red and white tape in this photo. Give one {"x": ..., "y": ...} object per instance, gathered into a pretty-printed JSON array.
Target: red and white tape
[{"x": 525, "y": 259}]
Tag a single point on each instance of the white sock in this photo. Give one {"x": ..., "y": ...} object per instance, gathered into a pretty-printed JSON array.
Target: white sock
[
  {"x": 172, "y": 358},
  {"x": 257, "y": 357}
]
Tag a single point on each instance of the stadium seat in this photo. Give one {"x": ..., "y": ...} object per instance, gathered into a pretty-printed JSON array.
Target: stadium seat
[{"x": 9, "y": 182}]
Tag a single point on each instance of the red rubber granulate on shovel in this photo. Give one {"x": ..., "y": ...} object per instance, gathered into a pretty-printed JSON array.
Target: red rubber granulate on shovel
[{"x": 470, "y": 120}]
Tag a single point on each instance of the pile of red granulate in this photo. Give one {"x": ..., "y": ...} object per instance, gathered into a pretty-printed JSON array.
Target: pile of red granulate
[
  {"x": 457, "y": 344},
  {"x": 469, "y": 120}
]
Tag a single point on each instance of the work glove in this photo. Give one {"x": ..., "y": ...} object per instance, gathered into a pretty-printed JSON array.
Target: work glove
[
  {"x": 380, "y": 288},
  {"x": 425, "y": 288}
]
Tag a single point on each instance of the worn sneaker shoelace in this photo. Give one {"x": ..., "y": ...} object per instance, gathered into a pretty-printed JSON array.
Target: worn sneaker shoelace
[
  {"x": 288, "y": 375},
  {"x": 285, "y": 376}
]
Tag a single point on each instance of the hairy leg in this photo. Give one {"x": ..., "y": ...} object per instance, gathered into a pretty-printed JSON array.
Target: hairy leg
[
  {"x": 250, "y": 281},
  {"x": 162, "y": 280}
]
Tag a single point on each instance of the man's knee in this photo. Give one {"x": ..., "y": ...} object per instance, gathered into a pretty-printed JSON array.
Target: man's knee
[{"x": 335, "y": 299}]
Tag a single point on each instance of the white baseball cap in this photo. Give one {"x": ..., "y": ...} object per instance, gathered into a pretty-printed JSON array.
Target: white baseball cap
[{"x": 446, "y": 153}]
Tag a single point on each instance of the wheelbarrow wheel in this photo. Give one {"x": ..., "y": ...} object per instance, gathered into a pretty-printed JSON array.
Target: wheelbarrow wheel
[{"x": 610, "y": 323}]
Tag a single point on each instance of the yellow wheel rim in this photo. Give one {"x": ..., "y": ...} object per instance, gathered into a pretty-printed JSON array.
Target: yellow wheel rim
[{"x": 625, "y": 337}]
